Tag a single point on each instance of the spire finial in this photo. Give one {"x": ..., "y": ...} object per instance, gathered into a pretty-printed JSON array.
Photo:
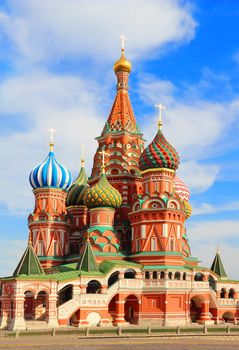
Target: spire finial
[
  {"x": 29, "y": 239},
  {"x": 52, "y": 131},
  {"x": 218, "y": 248},
  {"x": 160, "y": 108},
  {"x": 82, "y": 156},
  {"x": 104, "y": 154},
  {"x": 123, "y": 39}
]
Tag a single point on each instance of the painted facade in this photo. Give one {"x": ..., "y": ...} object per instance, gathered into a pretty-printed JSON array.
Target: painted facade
[{"x": 113, "y": 249}]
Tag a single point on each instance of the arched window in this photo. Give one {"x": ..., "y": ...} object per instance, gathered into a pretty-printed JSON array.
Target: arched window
[
  {"x": 212, "y": 282},
  {"x": 162, "y": 275},
  {"x": 93, "y": 287},
  {"x": 155, "y": 275},
  {"x": 40, "y": 248},
  {"x": 153, "y": 244},
  {"x": 184, "y": 276},
  {"x": 223, "y": 293},
  {"x": 177, "y": 276},
  {"x": 130, "y": 273},
  {"x": 172, "y": 245},
  {"x": 114, "y": 277},
  {"x": 198, "y": 276},
  {"x": 65, "y": 294},
  {"x": 170, "y": 275},
  {"x": 147, "y": 275},
  {"x": 231, "y": 293}
]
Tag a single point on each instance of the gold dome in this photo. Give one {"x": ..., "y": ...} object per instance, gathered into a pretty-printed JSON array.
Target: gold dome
[{"x": 122, "y": 64}]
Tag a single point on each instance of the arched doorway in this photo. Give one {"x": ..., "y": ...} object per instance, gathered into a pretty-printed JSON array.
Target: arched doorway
[
  {"x": 114, "y": 277},
  {"x": 195, "y": 308},
  {"x": 223, "y": 293},
  {"x": 130, "y": 273},
  {"x": 112, "y": 307},
  {"x": 131, "y": 309},
  {"x": 198, "y": 276},
  {"x": 93, "y": 287},
  {"x": 231, "y": 294},
  {"x": 41, "y": 306},
  {"x": 228, "y": 317},
  {"x": 65, "y": 294},
  {"x": 29, "y": 305}
]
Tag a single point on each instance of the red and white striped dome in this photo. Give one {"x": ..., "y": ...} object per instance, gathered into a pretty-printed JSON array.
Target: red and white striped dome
[{"x": 181, "y": 189}]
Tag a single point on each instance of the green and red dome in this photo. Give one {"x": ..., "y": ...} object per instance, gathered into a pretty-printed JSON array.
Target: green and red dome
[
  {"x": 77, "y": 190},
  {"x": 102, "y": 194},
  {"x": 159, "y": 154}
]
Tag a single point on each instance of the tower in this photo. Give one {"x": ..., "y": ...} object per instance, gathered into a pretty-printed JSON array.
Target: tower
[
  {"x": 102, "y": 200},
  {"x": 158, "y": 214},
  {"x": 76, "y": 209},
  {"x": 49, "y": 224},
  {"x": 123, "y": 144}
]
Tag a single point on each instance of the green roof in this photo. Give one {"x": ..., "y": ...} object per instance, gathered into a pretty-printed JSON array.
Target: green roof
[
  {"x": 87, "y": 260},
  {"x": 217, "y": 266},
  {"x": 29, "y": 263}
]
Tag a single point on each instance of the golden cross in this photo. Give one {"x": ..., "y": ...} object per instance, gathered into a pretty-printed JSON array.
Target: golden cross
[
  {"x": 52, "y": 131},
  {"x": 123, "y": 39},
  {"x": 160, "y": 108},
  {"x": 82, "y": 156},
  {"x": 104, "y": 154}
]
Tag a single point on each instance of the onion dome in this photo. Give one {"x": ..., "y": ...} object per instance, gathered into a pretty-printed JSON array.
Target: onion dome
[
  {"x": 122, "y": 64},
  {"x": 159, "y": 154},
  {"x": 77, "y": 190},
  {"x": 102, "y": 195},
  {"x": 187, "y": 209},
  {"x": 50, "y": 173},
  {"x": 181, "y": 189}
]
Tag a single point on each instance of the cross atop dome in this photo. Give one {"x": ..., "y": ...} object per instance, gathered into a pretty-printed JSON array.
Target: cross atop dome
[
  {"x": 122, "y": 65},
  {"x": 52, "y": 132},
  {"x": 82, "y": 156},
  {"x": 104, "y": 154},
  {"x": 123, "y": 39},
  {"x": 160, "y": 108}
]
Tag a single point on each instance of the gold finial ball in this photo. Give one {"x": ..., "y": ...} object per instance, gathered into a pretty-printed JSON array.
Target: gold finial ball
[
  {"x": 187, "y": 209},
  {"x": 122, "y": 64}
]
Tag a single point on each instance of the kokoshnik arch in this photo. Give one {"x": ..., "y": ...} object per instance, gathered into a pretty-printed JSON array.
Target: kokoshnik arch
[{"x": 112, "y": 248}]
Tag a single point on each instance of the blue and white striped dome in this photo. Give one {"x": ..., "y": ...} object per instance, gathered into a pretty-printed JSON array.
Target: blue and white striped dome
[{"x": 50, "y": 174}]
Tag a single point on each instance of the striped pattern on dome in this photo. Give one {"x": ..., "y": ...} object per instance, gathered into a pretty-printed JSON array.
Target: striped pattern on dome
[
  {"x": 77, "y": 190},
  {"x": 181, "y": 189},
  {"x": 159, "y": 154},
  {"x": 103, "y": 195},
  {"x": 50, "y": 173}
]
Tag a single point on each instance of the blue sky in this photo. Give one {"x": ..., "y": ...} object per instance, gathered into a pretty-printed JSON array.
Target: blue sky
[{"x": 56, "y": 63}]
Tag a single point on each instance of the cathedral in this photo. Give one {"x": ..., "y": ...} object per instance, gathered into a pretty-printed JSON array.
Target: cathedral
[{"x": 112, "y": 248}]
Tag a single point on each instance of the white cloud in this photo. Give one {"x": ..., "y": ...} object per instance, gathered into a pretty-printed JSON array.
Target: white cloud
[
  {"x": 214, "y": 231},
  {"x": 204, "y": 238},
  {"x": 198, "y": 177},
  {"x": 195, "y": 125},
  {"x": 69, "y": 104},
  {"x": 58, "y": 29},
  {"x": 208, "y": 208}
]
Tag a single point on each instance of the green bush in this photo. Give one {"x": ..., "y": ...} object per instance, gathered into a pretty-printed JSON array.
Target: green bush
[
  {"x": 236, "y": 329},
  {"x": 103, "y": 331},
  {"x": 191, "y": 330},
  {"x": 215, "y": 329},
  {"x": 27, "y": 333},
  {"x": 163, "y": 330},
  {"x": 70, "y": 331}
]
